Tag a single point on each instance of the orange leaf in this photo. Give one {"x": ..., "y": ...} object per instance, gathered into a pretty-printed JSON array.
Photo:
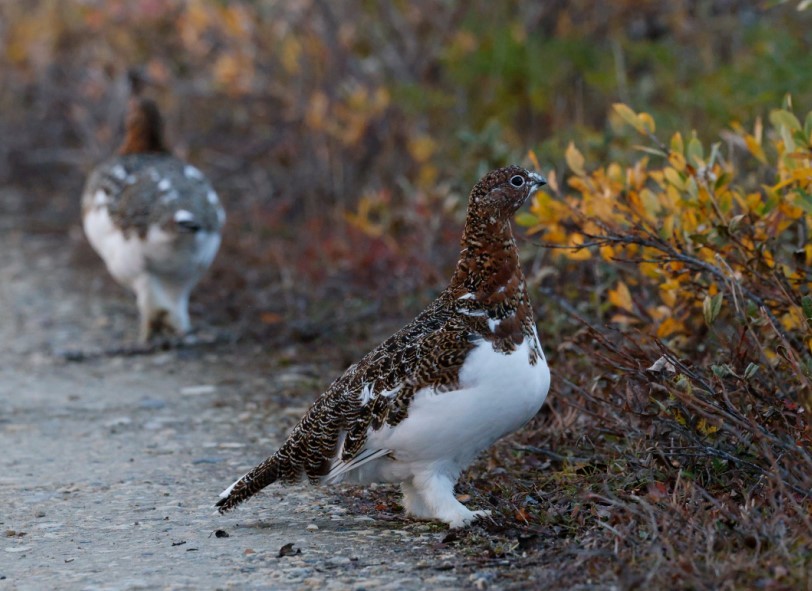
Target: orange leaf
[
  {"x": 621, "y": 297},
  {"x": 270, "y": 318}
]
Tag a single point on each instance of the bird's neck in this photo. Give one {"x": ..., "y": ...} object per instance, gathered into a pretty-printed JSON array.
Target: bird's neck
[
  {"x": 142, "y": 139},
  {"x": 489, "y": 269},
  {"x": 144, "y": 129}
]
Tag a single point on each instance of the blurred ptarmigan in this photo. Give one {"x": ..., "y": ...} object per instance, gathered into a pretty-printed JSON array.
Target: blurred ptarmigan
[
  {"x": 419, "y": 408},
  {"x": 154, "y": 219}
]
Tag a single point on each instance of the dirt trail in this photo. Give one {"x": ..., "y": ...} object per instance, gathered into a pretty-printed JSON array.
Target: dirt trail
[{"x": 110, "y": 467}]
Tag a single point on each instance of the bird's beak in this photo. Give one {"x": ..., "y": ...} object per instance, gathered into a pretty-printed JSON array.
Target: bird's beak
[
  {"x": 537, "y": 182},
  {"x": 537, "y": 179}
]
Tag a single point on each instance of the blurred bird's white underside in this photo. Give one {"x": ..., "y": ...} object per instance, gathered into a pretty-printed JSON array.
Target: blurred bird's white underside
[{"x": 161, "y": 268}]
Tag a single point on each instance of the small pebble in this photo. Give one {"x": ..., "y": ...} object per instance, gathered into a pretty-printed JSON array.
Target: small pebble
[
  {"x": 338, "y": 561},
  {"x": 312, "y": 527},
  {"x": 197, "y": 390}
]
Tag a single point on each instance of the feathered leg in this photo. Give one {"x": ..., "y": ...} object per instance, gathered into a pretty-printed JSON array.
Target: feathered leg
[
  {"x": 162, "y": 305},
  {"x": 436, "y": 491}
]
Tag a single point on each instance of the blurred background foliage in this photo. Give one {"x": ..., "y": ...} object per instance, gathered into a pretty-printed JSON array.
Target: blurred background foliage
[
  {"x": 307, "y": 104},
  {"x": 363, "y": 123},
  {"x": 669, "y": 261}
]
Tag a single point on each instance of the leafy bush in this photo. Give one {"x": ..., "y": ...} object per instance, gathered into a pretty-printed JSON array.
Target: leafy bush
[{"x": 689, "y": 272}]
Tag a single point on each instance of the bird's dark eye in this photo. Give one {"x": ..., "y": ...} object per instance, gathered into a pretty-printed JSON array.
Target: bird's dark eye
[{"x": 517, "y": 181}]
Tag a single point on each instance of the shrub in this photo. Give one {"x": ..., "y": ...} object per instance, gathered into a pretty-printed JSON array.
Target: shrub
[{"x": 689, "y": 273}]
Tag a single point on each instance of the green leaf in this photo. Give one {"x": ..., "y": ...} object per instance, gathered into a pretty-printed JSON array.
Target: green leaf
[
  {"x": 805, "y": 201},
  {"x": 648, "y": 150},
  {"x": 695, "y": 153},
  {"x": 781, "y": 118},
  {"x": 721, "y": 371},
  {"x": 808, "y": 127},
  {"x": 711, "y": 306},
  {"x": 806, "y": 304},
  {"x": 751, "y": 370},
  {"x": 735, "y": 222},
  {"x": 526, "y": 219},
  {"x": 789, "y": 143}
]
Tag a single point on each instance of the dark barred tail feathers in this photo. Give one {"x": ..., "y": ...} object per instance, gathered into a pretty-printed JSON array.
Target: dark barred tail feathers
[
  {"x": 308, "y": 452},
  {"x": 250, "y": 484}
]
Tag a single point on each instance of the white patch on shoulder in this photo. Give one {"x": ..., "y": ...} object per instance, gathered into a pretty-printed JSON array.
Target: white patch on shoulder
[
  {"x": 366, "y": 393},
  {"x": 100, "y": 198},
  {"x": 467, "y": 296},
  {"x": 183, "y": 215},
  {"x": 191, "y": 172},
  {"x": 164, "y": 185},
  {"x": 221, "y": 215},
  {"x": 493, "y": 323},
  {"x": 472, "y": 312},
  {"x": 130, "y": 180},
  {"x": 153, "y": 174},
  {"x": 212, "y": 197},
  {"x": 119, "y": 172},
  {"x": 170, "y": 196}
]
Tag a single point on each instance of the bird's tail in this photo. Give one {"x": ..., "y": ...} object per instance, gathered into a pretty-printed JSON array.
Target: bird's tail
[{"x": 250, "y": 484}]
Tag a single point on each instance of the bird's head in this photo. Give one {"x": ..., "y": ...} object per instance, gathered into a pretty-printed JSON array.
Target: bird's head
[{"x": 501, "y": 192}]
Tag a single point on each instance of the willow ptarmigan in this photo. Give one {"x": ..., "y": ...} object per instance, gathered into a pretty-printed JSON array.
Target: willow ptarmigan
[
  {"x": 154, "y": 219},
  {"x": 419, "y": 408}
]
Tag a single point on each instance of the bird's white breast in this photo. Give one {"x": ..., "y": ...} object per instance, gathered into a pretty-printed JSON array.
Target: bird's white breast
[
  {"x": 498, "y": 394},
  {"x": 122, "y": 254},
  {"x": 128, "y": 256}
]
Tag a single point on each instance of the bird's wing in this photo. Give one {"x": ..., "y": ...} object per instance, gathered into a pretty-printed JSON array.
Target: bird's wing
[
  {"x": 141, "y": 191},
  {"x": 376, "y": 391},
  {"x": 330, "y": 439}
]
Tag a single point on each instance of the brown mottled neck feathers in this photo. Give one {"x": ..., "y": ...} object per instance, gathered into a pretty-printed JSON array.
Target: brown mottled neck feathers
[
  {"x": 489, "y": 263},
  {"x": 144, "y": 129}
]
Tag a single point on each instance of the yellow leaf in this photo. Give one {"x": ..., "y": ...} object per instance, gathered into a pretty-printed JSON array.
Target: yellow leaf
[
  {"x": 673, "y": 177},
  {"x": 575, "y": 160},
  {"x": 668, "y": 296},
  {"x": 552, "y": 182},
  {"x": 705, "y": 427},
  {"x": 629, "y": 116},
  {"x": 755, "y": 148},
  {"x": 648, "y": 122},
  {"x": 668, "y": 327},
  {"x": 621, "y": 297},
  {"x": 421, "y": 148},
  {"x": 677, "y": 160},
  {"x": 676, "y": 143},
  {"x": 531, "y": 155},
  {"x": 578, "y": 255}
]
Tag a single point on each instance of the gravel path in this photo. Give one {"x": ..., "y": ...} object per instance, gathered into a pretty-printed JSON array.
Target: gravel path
[{"x": 110, "y": 466}]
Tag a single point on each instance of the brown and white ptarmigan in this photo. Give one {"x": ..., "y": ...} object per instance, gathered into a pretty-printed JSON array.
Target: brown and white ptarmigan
[
  {"x": 418, "y": 408},
  {"x": 154, "y": 219}
]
